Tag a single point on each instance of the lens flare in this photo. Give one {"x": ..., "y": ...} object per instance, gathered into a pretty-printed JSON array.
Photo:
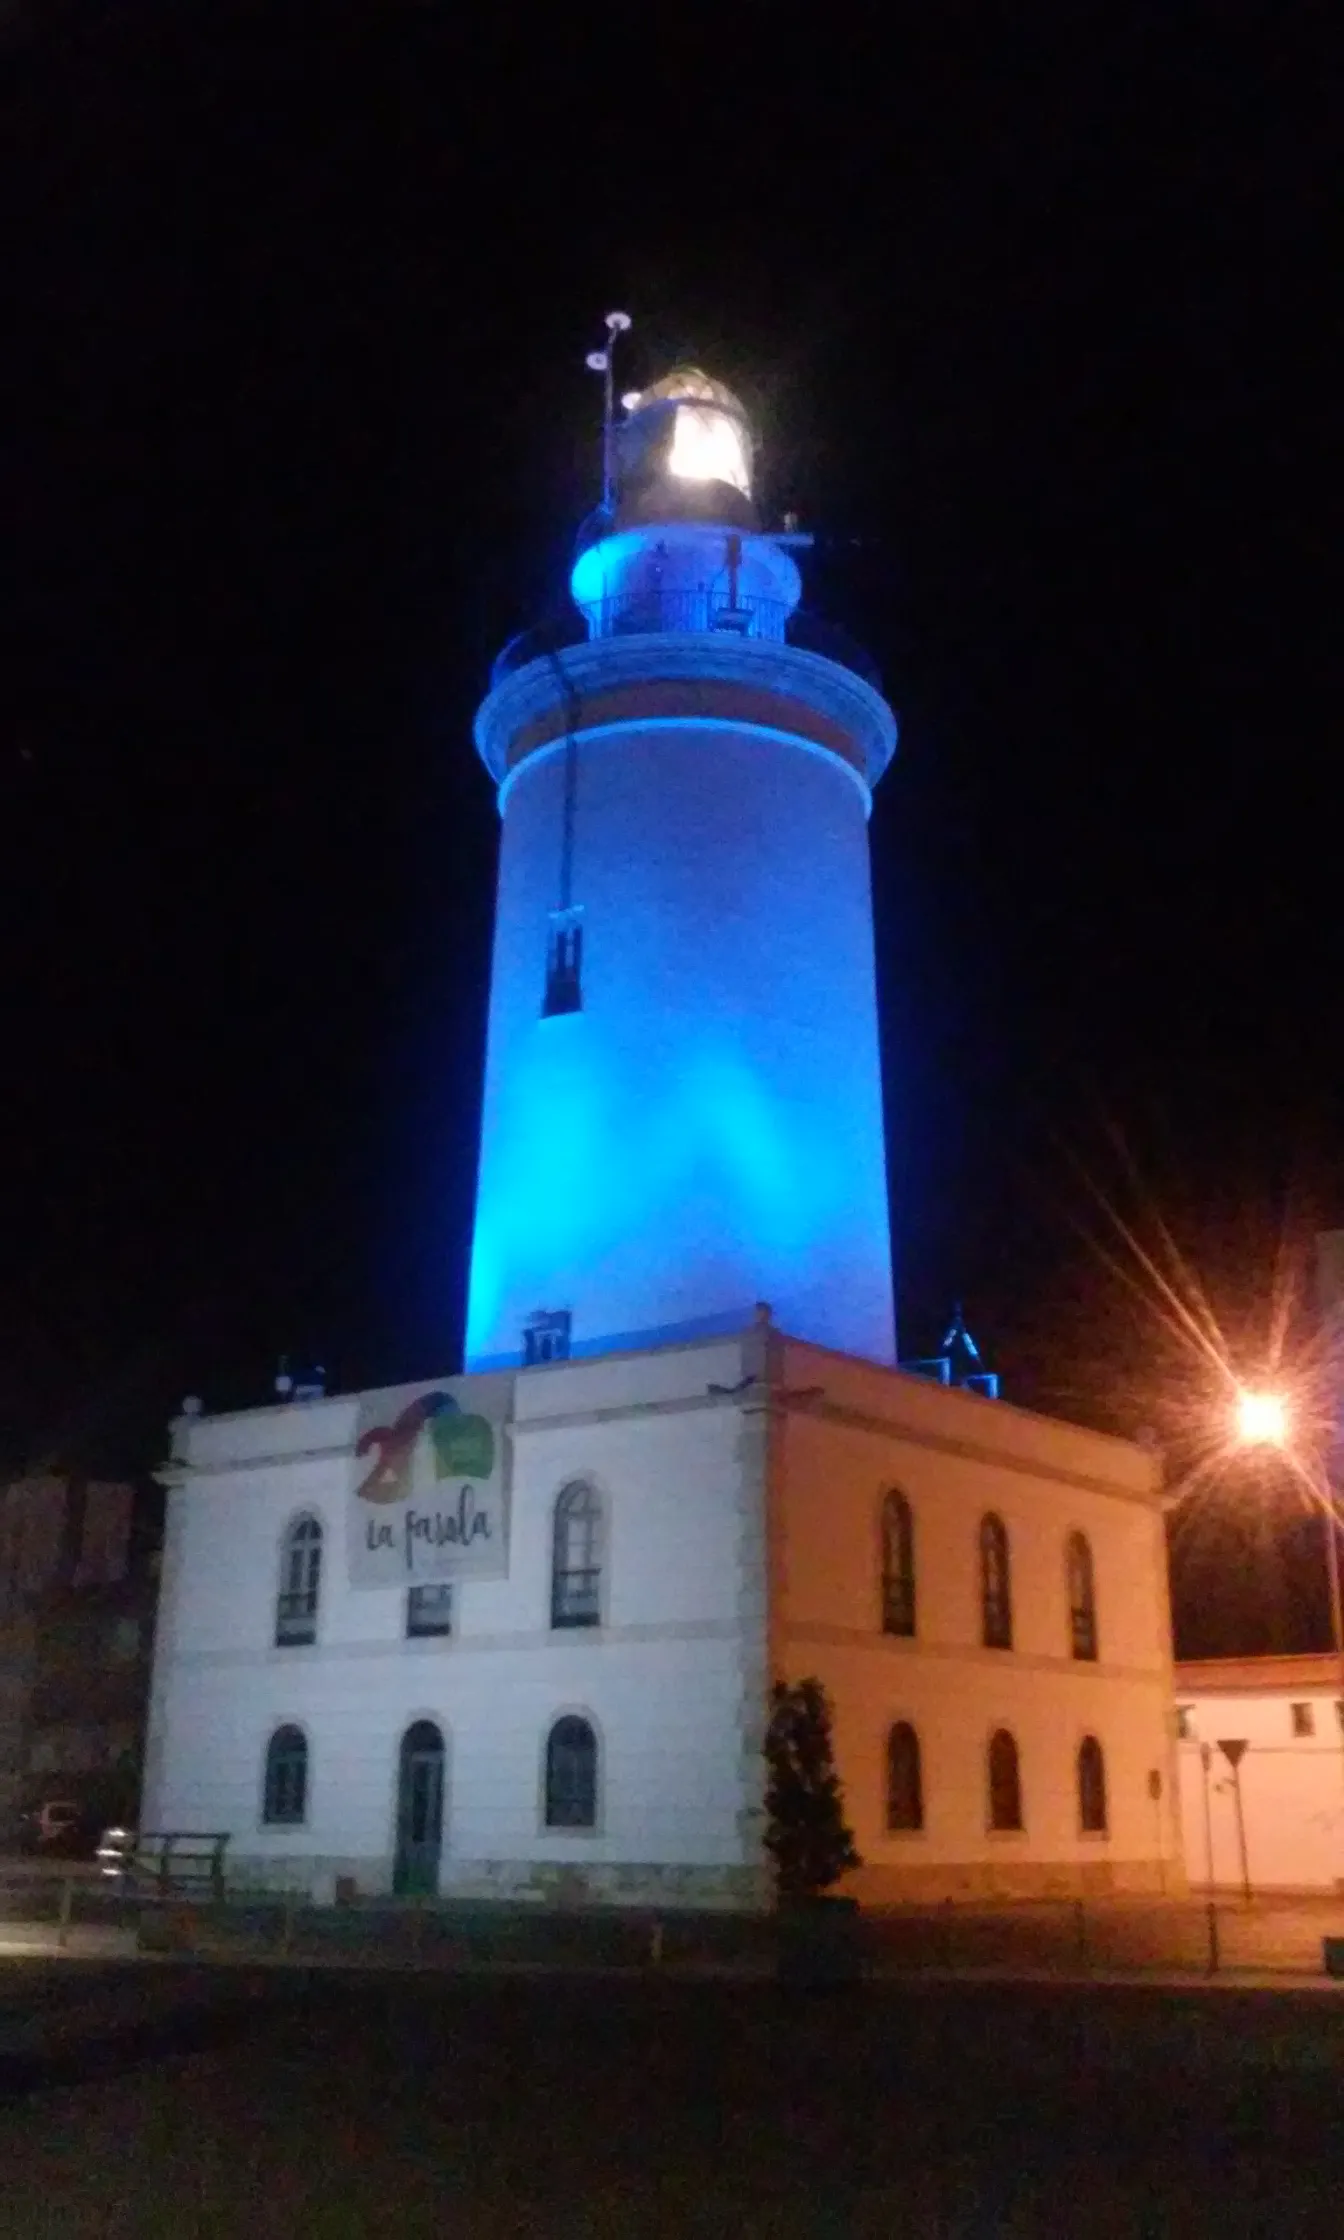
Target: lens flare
[{"x": 1262, "y": 1419}]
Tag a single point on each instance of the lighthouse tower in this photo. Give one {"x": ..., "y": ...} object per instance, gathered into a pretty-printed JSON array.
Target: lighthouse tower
[
  {"x": 682, "y": 1111},
  {"x": 513, "y": 1634}
]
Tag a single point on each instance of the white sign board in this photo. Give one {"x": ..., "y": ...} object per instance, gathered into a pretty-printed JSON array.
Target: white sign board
[{"x": 427, "y": 1498}]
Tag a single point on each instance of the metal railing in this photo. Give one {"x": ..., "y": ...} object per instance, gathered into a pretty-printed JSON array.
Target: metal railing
[
  {"x": 699, "y": 612},
  {"x": 696, "y": 609},
  {"x": 1290, "y": 1939}
]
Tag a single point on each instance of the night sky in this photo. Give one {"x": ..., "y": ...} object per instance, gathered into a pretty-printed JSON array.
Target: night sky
[{"x": 1035, "y": 320}]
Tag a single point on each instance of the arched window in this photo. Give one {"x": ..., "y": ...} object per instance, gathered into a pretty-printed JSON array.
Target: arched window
[
  {"x": 571, "y": 1774},
  {"x": 996, "y": 1594},
  {"x": 1082, "y": 1597},
  {"x": 285, "y": 1803},
  {"x": 1091, "y": 1787},
  {"x": 898, "y": 1565},
  {"x": 1005, "y": 1781},
  {"x": 576, "y": 1567},
  {"x": 300, "y": 1578},
  {"x": 905, "y": 1783}
]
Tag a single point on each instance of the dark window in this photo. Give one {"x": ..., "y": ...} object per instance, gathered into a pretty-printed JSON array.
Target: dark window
[
  {"x": 564, "y": 965},
  {"x": 546, "y": 1338},
  {"x": 898, "y": 1565},
  {"x": 1005, "y": 1782},
  {"x": 1304, "y": 1719},
  {"x": 123, "y": 1644},
  {"x": 576, "y": 1569},
  {"x": 286, "y": 1799},
  {"x": 571, "y": 1775},
  {"x": 1082, "y": 1597},
  {"x": 429, "y": 1610},
  {"x": 905, "y": 1784},
  {"x": 300, "y": 1578},
  {"x": 1091, "y": 1787},
  {"x": 996, "y": 1596}
]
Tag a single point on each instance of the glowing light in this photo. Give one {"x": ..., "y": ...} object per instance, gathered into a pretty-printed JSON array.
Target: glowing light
[
  {"x": 1262, "y": 1419},
  {"x": 707, "y": 446}
]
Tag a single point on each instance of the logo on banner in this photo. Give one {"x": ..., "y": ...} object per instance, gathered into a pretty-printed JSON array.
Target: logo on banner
[{"x": 428, "y": 1497}]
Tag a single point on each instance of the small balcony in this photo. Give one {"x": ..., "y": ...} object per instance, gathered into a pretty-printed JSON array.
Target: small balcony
[
  {"x": 703, "y": 611},
  {"x": 696, "y": 609}
]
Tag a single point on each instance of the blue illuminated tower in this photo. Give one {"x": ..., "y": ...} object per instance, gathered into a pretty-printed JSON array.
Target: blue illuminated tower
[{"x": 683, "y": 1110}]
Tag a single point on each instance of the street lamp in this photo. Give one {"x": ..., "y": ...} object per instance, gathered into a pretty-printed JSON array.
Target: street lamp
[{"x": 1263, "y": 1419}]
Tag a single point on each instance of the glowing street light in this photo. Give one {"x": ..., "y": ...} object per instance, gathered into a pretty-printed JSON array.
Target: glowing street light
[{"x": 1262, "y": 1419}]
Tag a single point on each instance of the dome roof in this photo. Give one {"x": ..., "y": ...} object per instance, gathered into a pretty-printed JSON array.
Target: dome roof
[{"x": 691, "y": 385}]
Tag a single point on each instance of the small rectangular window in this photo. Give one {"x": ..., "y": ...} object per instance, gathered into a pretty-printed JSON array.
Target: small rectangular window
[
  {"x": 1304, "y": 1718},
  {"x": 546, "y": 1338},
  {"x": 1184, "y": 1728},
  {"x": 564, "y": 964},
  {"x": 429, "y": 1610},
  {"x": 124, "y": 1640}
]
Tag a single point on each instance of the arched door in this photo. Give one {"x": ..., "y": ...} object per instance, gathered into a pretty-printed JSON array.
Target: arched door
[{"x": 419, "y": 1811}]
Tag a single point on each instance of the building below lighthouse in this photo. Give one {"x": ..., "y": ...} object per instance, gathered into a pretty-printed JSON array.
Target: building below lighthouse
[{"x": 513, "y": 1631}]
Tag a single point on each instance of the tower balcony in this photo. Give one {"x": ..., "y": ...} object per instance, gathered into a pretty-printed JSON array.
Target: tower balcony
[{"x": 702, "y": 612}]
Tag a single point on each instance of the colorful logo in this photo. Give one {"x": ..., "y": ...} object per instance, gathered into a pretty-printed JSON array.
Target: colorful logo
[{"x": 463, "y": 1447}]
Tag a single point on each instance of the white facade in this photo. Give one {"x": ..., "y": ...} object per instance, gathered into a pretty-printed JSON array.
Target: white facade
[
  {"x": 1291, "y": 1774},
  {"x": 663, "y": 1679},
  {"x": 741, "y": 1484}
]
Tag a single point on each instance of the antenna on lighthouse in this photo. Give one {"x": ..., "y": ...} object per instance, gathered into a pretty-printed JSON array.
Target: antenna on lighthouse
[{"x": 603, "y": 362}]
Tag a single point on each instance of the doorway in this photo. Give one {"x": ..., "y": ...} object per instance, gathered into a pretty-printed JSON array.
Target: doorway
[{"x": 415, "y": 1873}]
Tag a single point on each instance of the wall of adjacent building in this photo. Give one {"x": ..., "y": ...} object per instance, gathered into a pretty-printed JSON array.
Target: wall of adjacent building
[
  {"x": 671, "y": 1680},
  {"x": 77, "y": 1589},
  {"x": 1292, "y": 1785},
  {"x": 851, "y": 1433}
]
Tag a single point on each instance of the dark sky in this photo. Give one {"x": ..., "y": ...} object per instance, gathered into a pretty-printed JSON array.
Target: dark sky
[{"x": 1035, "y": 315}]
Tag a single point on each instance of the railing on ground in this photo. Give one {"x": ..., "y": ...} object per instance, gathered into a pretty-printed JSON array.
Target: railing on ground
[
  {"x": 168, "y": 1863},
  {"x": 1284, "y": 1940}
]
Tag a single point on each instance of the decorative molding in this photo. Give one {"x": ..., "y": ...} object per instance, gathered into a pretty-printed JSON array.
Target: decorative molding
[
  {"x": 564, "y": 1641},
  {"x": 967, "y": 1450},
  {"x": 694, "y": 658},
  {"x": 971, "y": 1652}
]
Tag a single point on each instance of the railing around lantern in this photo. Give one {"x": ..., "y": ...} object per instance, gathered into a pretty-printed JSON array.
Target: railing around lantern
[
  {"x": 696, "y": 609},
  {"x": 690, "y": 613}
]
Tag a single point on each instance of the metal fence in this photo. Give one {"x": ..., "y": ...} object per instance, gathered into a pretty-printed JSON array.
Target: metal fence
[
  {"x": 697, "y": 611},
  {"x": 1281, "y": 1939}
]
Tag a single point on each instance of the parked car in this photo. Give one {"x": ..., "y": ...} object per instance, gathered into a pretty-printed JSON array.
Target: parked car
[{"x": 58, "y": 1828}]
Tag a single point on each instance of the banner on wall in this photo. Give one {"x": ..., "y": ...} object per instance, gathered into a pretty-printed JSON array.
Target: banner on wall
[{"x": 427, "y": 1501}]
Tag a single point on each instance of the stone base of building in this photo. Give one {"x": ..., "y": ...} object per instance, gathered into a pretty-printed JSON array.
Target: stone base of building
[
  {"x": 981, "y": 1881},
  {"x": 327, "y": 1881}
]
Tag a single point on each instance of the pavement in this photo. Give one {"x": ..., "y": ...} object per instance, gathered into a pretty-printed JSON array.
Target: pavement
[{"x": 307, "y": 2103}]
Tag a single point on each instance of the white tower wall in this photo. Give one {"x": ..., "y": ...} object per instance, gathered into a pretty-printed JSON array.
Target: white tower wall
[
  {"x": 707, "y": 1130},
  {"x": 684, "y": 1117}
]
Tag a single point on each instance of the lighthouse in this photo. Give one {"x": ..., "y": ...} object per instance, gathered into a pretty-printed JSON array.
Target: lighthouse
[
  {"x": 512, "y": 1633},
  {"x": 682, "y": 1108}
]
